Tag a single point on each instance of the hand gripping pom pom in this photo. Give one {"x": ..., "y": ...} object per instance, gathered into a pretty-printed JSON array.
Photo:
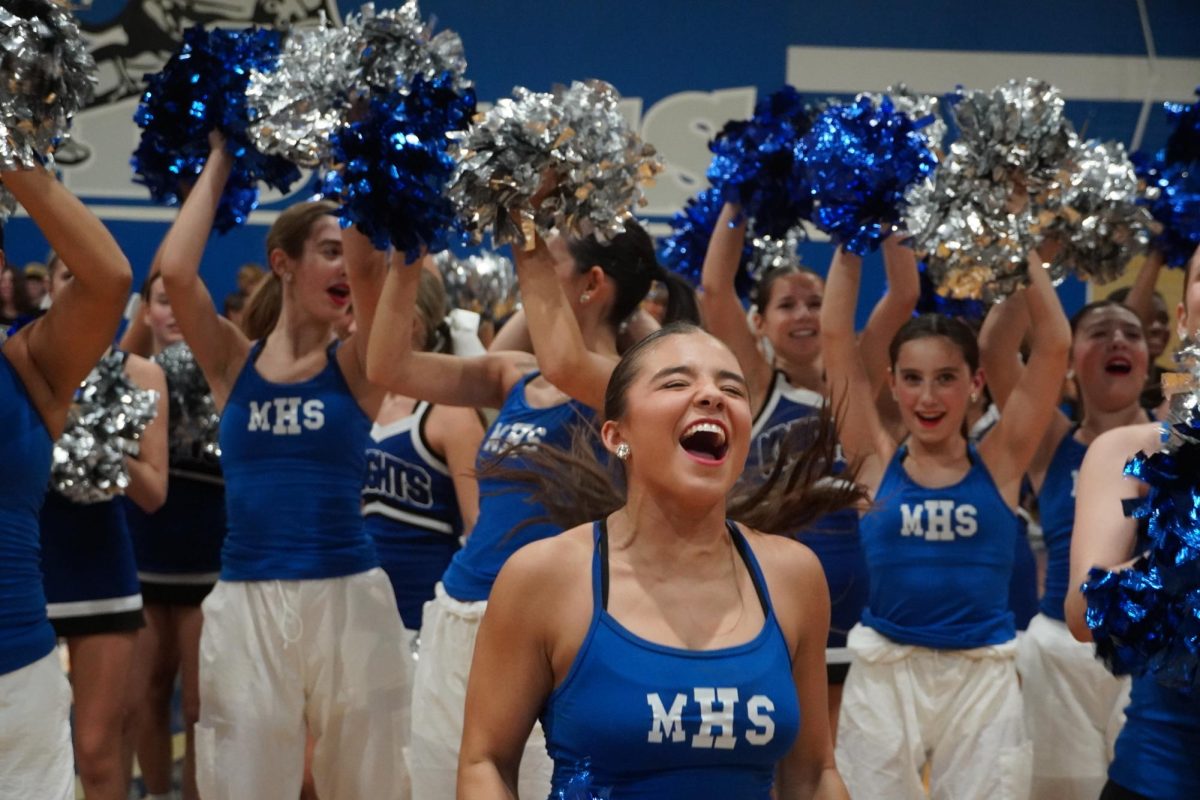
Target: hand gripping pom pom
[
  {"x": 104, "y": 426},
  {"x": 858, "y": 160},
  {"x": 200, "y": 89},
  {"x": 48, "y": 77}
]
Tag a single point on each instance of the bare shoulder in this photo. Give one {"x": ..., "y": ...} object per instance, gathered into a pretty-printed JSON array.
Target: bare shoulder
[
  {"x": 1126, "y": 442},
  {"x": 545, "y": 567},
  {"x": 783, "y": 557},
  {"x": 145, "y": 372},
  {"x": 797, "y": 587}
]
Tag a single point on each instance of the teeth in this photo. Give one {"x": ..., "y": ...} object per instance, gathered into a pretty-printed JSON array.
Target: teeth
[{"x": 705, "y": 427}]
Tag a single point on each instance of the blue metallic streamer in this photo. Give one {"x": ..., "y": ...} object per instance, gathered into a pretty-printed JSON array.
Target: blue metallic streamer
[
  {"x": 580, "y": 786},
  {"x": 1183, "y": 145},
  {"x": 200, "y": 89},
  {"x": 858, "y": 159},
  {"x": 1172, "y": 193},
  {"x": 396, "y": 165},
  {"x": 683, "y": 250}
]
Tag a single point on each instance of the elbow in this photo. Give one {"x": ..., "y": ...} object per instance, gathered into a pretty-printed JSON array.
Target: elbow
[
  {"x": 381, "y": 371},
  {"x": 1075, "y": 611}
]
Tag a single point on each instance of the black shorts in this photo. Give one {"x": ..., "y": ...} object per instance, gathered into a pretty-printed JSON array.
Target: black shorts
[
  {"x": 175, "y": 594},
  {"x": 91, "y": 624}
]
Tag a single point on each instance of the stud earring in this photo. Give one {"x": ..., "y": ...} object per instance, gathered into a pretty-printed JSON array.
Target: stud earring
[
  {"x": 623, "y": 451},
  {"x": 585, "y": 298},
  {"x": 974, "y": 398}
]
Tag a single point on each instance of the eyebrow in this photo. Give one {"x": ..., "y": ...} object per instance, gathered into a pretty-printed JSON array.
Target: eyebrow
[{"x": 681, "y": 369}]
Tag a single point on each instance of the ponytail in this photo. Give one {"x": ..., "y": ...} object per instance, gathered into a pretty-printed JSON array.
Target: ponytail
[
  {"x": 681, "y": 298},
  {"x": 262, "y": 309}
]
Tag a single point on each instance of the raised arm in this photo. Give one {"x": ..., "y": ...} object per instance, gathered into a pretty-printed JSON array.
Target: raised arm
[
  {"x": 479, "y": 381},
  {"x": 558, "y": 342},
  {"x": 457, "y": 433},
  {"x": 723, "y": 313},
  {"x": 53, "y": 354},
  {"x": 365, "y": 269},
  {"x": 148, "y": 471},
  {"x": 219, "y": 346},
  {"x": 862, "y": 436},
  {"x": 891, "y": 312},
  {"x": 1140, "y": 299},
  {"x": 1103, "y": 536},
  {"x": 1009, "y": 448}
]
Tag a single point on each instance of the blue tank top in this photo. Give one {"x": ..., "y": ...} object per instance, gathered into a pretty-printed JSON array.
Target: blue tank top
[
  {"x": 657, "y": 722},
  {"x": 1056, "y": 506},
  {"x": 940, "y": 560},
  {"x": 504, "y": 505},
  {"x": 1156, "y": 752},
  {"x": 25, "y": 447},
  {"x": 410, "y": 510},
  {"x": 294, "y": 456}
]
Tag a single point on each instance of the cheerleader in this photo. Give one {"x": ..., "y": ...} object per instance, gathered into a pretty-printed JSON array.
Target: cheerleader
[
  {"x": 301, "y": 632},
  {"x": 790, "y": 389},
  {"x": 1072, "y": 704},
  {"x": 420, "y": 493},
  {"x": 41, "y": 367},
  {"x": 576, "y": 293},
  {"x": 178, "y": 551},
  {"x": 933, "y": 677},
  {"x": 1155, "y": 753},
  {"x": 92, "y": 592},
  {"x": 669, "y": 652}
]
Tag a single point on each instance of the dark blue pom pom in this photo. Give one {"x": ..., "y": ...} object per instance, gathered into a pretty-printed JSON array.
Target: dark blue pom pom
[
  {"x": 1176, "y": 206},
  {"x": 1183, "y": 146},
  {"x": 930, "y": 302},
  {"x": 684, "y": 249},
  {"x": 858, "y": 159},
  {"x": 581, "y": 786},
  {"x": 396, "y": 165},
  {"x": 202, "y": 88},
  {"x": 1127, "y": 612},
  {"x": 754, "y": 163}
]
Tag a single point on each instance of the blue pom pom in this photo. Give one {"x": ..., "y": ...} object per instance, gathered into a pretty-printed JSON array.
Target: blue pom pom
[
  {"x": 1127, "y": 612},
  {"x": 1183, "y": 145},
  {"x": 754, "y": 163},
  {"x": 930, "y": 302},
  {"x": 858, "y": 160},
  {"x": 1173, "y": 196},
  {"x": 202, "y": 88},
  {"x": 684, "y": 249},
  {"x": 581, "y": 786},
  {"x": 396, "y": 165}
]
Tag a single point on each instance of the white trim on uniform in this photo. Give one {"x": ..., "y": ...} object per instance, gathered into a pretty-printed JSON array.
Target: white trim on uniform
[
  {"x": 92, "y": 608},
  {"x": 383, "y": 509},
  {"x": 179, "y": 578}
]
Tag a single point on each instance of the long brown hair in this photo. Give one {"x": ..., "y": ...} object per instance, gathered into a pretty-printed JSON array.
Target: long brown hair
[
  {"x": 289, "y": 233},
  {"x": 575, "y": 486}
]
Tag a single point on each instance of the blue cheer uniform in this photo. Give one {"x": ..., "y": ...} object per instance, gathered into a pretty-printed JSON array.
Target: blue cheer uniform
[
  {"x": 1156, "y": 753},
  {"x": 651, "y": 721},
  {"x": 25, "y": 632},
  {"x": 1056, "y": 507},
  {"x": 410, "y": 511},
  {"x": 834, "y": 538}
]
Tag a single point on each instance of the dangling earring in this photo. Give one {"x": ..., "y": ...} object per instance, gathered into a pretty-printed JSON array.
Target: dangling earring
[
  {"x": 974, "y": 398},
  {"x": 585, "y": 298},
  {"x": 623, "y": 451}
]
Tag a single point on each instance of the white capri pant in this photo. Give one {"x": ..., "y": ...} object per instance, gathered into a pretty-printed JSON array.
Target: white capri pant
[
  {"x": 36, "y": 759},
  {"x": 280, "y": 659},
  {"x": 448, "y": 629},
  {"x": 959, "y": 710},
  {"x": 1074, "y": 709}
]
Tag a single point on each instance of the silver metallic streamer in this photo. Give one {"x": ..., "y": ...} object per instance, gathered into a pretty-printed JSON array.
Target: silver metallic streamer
[
  {"x": 1098, "y": 223},
  {"x": 918, "y": 107},
  {"x": 8, "y": 204},
  {"x": 485, "y": 284},
  {"x": 48, "y": 75},
  {"x": 974, "y": 244},
  {"x": 396, "y": 46},
  {"x": 192, "y": 427},
  {"x": 1182, "y": 389},
  {"x": 578, "y": 136},
  {"x": 771, "y": 252},
  {"x": 104, "y": 426}
]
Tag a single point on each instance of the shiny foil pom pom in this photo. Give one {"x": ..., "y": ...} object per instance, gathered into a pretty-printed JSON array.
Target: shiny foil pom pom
[
  {"x": 925, "y": 110},
  {"x": 48, "y": 76},
  {"x": 1172, "y": 194},
  {"x": 104, "y": 426},
  {"x": 577, "y": 139},
  {"x": 396, "y": 46},
  {"x": 1097, "y": 221},
  {"x": 485, "y": 283},
  {"x": 754, "y": 163},
  {"x": 1183, "y": 145},
  {"x": 975, "y": 246},
  {"x": 200, "y": 89},
  {"x": 395, "y": 166},
  {"x": 858, "y": 160},
  {"x": 8, "y": 204},
  {"x": 194, "y": 421}
]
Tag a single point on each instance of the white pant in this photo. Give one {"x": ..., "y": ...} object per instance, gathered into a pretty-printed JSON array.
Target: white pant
[
  {"x": 959, "y": 710},
  {"x": 36, "y": 759},
  {"x": 281, "y": 658},
  {"x": 1074, "y": 709},
  {"x": 448, "y": 629}
]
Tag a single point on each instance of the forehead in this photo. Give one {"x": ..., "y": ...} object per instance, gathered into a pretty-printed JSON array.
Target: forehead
[
  {"x": 929, "y": 352},
  {"x": 697, "y": 350},
  {"x": 798, "y": 284},
  {"x": 325, "y": 228},
  {"x": 1109, "y": 315}
]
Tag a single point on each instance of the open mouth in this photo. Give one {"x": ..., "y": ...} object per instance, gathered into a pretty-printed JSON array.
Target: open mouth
[
  {"x": 340, "y": 292},
  {"x": 928, "y": 420},
  {"x": 1118, "y": 366},
  {"x": 803, "y": 334},
  {"x": 705, "y": 442}
]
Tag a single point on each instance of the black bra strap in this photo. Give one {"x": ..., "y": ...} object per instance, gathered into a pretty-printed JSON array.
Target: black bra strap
[
  {"x": 739, "y": 542},
  {"x": 602, "y": 545}
]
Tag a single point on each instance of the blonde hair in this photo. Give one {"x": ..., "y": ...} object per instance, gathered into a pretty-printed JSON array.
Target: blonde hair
[{"x": 431, "y": 308}]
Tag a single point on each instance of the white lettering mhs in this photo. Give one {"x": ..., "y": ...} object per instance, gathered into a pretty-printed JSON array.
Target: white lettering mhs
[
  {"x": 288, "y": 412},
  {"x": 939, "y": 520},
  {"x": 667, "y": 724}
]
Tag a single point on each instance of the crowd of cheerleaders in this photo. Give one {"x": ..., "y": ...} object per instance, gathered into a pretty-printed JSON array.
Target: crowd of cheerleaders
[{"x": 663, "y": 645}]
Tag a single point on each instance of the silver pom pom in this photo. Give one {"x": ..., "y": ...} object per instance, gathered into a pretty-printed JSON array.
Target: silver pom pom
[
  {"x": 104, "y": 426},
  {"x": 1182, "y": 389},
  {"x": 1098, "y": 223},
  {"x": 194, "y": 422},
  {"x": 8, "y": 204},
  {"x": 485, "y": 284},
  {"x": 396, "y": 46},
  {"x": 771, "y": 252},
  {"x": 918, "y": 107},
  {"x": 48, "y": 76},
  {"x": 599, "y": 166}
]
